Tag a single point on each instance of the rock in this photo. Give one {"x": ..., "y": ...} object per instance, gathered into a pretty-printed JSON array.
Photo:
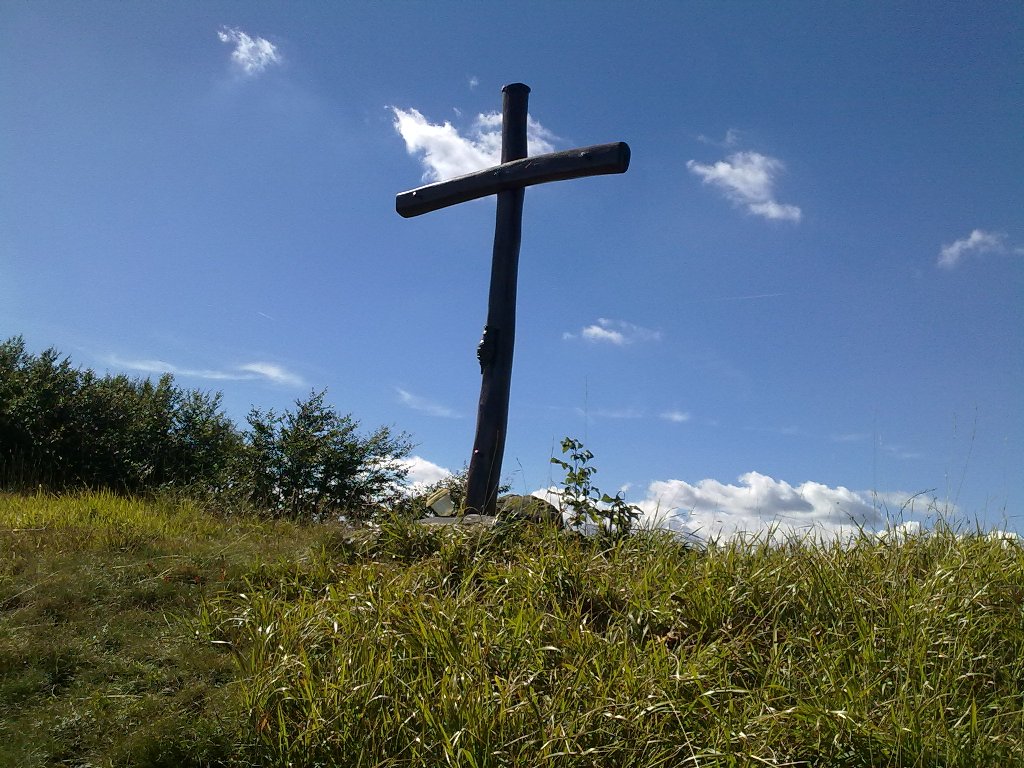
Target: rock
[
  {"x": 529, "y": 509},
  {"x": 485, "y": 520}
]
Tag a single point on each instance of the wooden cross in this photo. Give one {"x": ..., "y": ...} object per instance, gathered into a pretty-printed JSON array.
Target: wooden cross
[{"x": 508, "y": 181}]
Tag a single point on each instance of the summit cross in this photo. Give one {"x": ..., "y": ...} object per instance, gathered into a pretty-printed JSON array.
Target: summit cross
[{"x": 508, "y": 181}]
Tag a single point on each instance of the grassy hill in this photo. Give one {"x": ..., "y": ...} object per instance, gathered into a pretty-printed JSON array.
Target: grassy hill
[{"x": 159, "y": 634}]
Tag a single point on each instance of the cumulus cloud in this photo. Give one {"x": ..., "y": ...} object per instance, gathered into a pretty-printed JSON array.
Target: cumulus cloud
[
  {"x": 758, "y": 505},
  {"x": 1006, "y": 538},
  {"x": 617, "y": 332},
  {"x": 899, "y": 503},
  {"x": 446, "y": 153},
  {"x": 424, "y": 405},
  {"x": 976, "y": 243},
  {"x": 251, "y": 55},
  {"x": 422, "y": 473},
  {"x": 901, "y": 532},
  {"x": 748, "y": 179},
  {"x": 271, "y": 372}
]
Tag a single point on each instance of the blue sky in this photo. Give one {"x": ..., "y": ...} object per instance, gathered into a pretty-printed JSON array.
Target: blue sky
[{"x": 801, "y": 305}]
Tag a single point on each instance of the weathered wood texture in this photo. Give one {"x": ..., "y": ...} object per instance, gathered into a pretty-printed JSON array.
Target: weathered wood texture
[
  {"x": 597, "y": 160},
  {"x": 484, "y": 475}
]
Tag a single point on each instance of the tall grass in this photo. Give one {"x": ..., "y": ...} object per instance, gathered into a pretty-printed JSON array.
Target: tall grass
[
  {"x": 139, "y": 633},
  {"x": 547, "y": 651}
]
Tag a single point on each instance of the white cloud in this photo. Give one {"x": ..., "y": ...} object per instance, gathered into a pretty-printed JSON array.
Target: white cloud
[
  {"x": 474, "y": 81},
  {"x": 758, "y": 506},
  {"x": 271, "y": 372},
  {"x": 274, "y": 373},
  {"x": 897, "y": 504},
  {"x": 617, "y": 332},
  {"x": 251, "y": 56},
  {"x": 603, "y": 333},
  {"x": 446, "y": 153},
  {"x": 900, "y": 532},
  {"x": 418, "y": 403},
  {"x": 731, "y": 139},
  {"x": 611, "y": 413},
  {"x": 978, "y": 242},
  {"x": 1006, "y": 538},
  {"x": 676, "y": 417},
  {"x": 748, "y": 178},
  {"x": 851, "y": 437},
  {"x": 899, "y": 451},
  {"x": 422, "y": 473}
]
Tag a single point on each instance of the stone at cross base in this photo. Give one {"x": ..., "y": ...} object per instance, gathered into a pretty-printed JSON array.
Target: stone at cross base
[{"x": 510, "y": 510}]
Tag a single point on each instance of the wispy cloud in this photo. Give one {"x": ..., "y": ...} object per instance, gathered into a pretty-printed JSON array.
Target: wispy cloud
[
  {"x": 748, "y": 179},
  {"x": 749, "y": 297},
  {"x": 424, "y": 405},
  {"x": 274, "y": 373},
  {"x": 900, "y": 451},
  {"x": 851, "y": 437},
  {"x": 251, "y": 55},
  {"x": 676, "y": 417},
  {"x": 975, "y": 244},
  {"x": 610, "y": 413},
  {"x": 616, "y": 332},
  {"x": 731, "y": 139},
  {"x": 271, "y": 372},
  {"x": 446, "y": 153}
]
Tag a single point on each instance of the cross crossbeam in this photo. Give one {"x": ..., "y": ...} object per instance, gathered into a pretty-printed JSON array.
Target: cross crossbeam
[
  {"x": 508, "y": 181},
  {"x": 557, "y": 166}
]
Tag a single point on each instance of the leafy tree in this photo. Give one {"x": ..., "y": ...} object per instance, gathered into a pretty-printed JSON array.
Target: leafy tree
[
  {"x": 205, "y": 442},
  {"x": 36, "y": 400},
  {"x": 309, "y": 463}
]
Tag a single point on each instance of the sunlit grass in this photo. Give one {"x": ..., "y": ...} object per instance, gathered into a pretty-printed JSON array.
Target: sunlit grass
[{"x": 140, "y": 633}]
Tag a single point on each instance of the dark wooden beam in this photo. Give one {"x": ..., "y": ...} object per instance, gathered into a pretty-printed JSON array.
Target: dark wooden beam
[{"x": 597, "y": 160}]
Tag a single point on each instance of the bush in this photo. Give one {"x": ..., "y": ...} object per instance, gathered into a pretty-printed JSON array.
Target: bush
[
  {"x": 310, "y": 463},
  {"x": 63, "y": 428}
]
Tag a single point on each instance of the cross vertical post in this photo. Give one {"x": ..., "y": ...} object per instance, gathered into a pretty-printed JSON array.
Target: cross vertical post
[
  {"x": 508, "y": 181},
  {"x": 496, "y": 347}
]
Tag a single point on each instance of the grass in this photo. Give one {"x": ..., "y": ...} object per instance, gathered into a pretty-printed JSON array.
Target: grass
[{"x": 156, "y": 633}]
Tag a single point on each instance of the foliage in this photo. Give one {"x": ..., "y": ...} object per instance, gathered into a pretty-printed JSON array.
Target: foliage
[
  {"x": 310, "y": 463},
  {"x": 62, "y": 428},
  {"x": 612, "y": 516}
]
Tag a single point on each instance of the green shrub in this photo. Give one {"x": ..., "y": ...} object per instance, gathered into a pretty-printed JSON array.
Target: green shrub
[
  {"x": 310, "y": 463},
  {"x": 64, "y": 428},
  {"x": 612, "y": 516}
]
